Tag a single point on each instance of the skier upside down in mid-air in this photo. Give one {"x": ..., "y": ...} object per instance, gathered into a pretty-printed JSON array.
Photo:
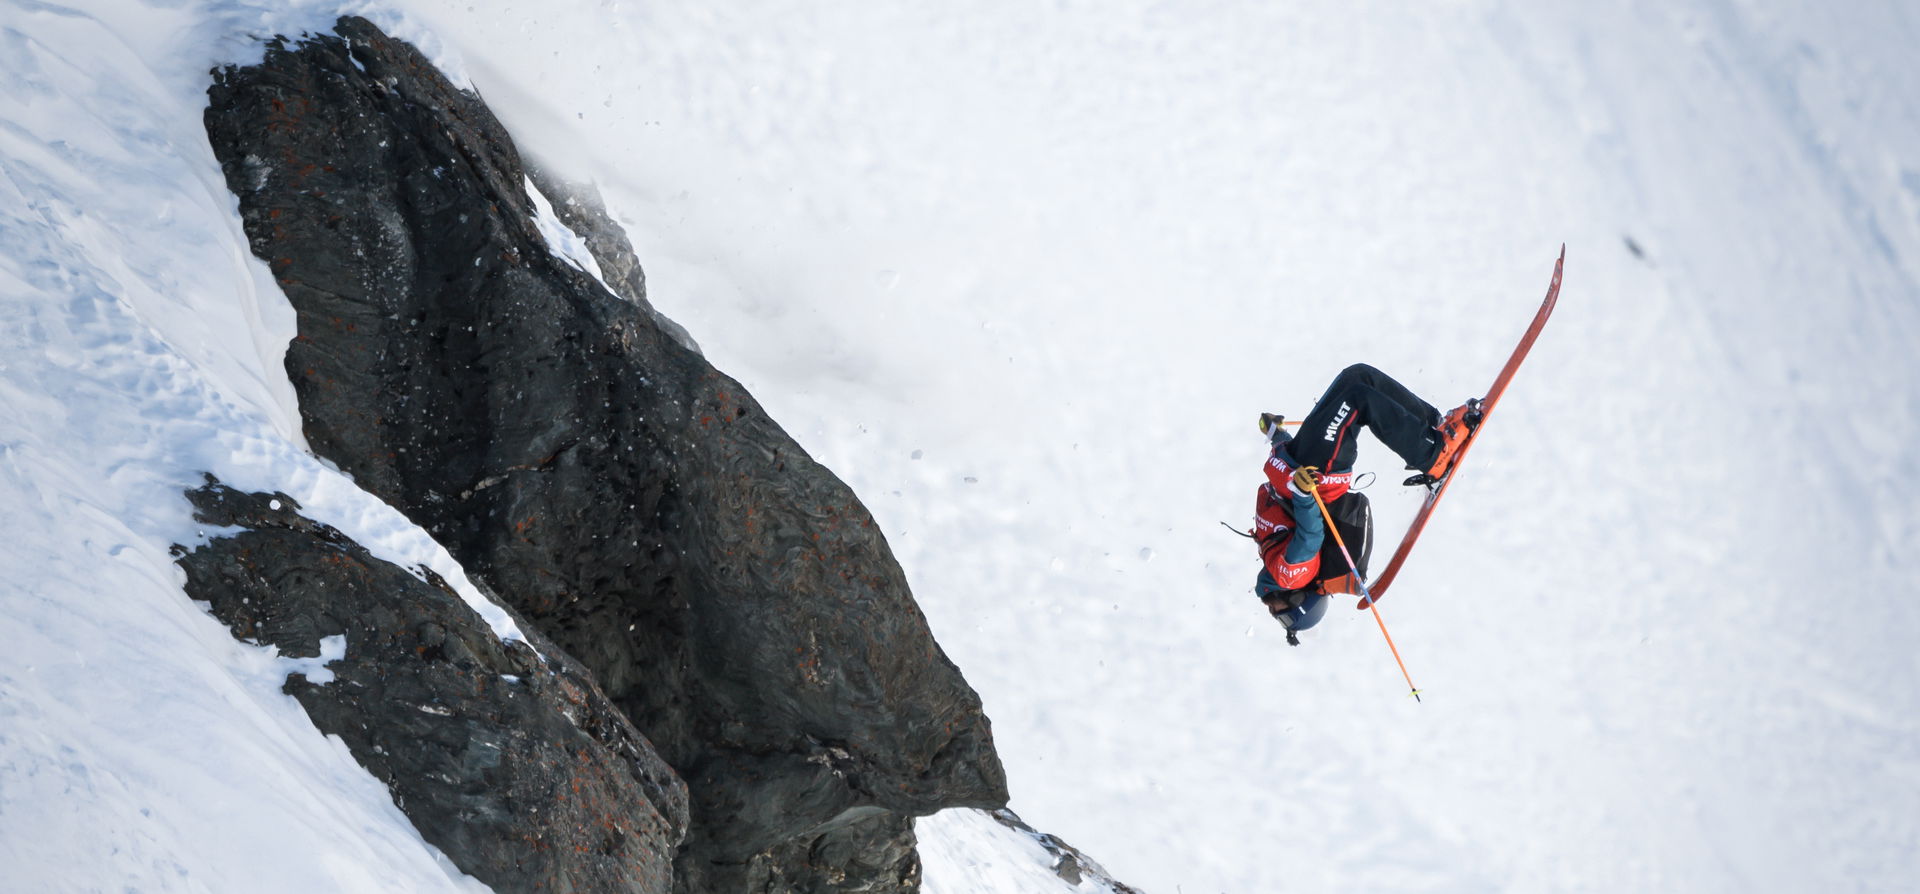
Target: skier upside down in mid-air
[{"x": 1300, "y": 565}]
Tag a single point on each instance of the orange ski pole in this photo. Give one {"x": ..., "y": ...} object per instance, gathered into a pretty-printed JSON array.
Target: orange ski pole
[{"x": 1354, "y": 567}]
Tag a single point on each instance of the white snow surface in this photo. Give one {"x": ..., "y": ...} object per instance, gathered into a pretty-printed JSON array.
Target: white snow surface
[
  {"x": 968, "y": 851},
  {"x": 565, "y": 244},
  {"x": 141, "y": 746},
  {"x": 1023, "y": 274}
]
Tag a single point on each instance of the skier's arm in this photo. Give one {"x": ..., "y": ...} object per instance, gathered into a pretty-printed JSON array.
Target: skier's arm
[
  {"x": 1289, "y": 540},
  {"x": 1279, "y": 469},
  {"x": 1309, "y": 530},
  {"x": 1294, "y": 562}
]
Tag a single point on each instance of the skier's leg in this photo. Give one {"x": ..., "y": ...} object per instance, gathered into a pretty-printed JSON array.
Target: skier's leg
[
  {"x": 1363, "y": 395},
  {"x": 1318, "y": 441}
]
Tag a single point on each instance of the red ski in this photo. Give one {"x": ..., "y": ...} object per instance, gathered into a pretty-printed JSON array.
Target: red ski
[{"x": 1439, "y": 488}]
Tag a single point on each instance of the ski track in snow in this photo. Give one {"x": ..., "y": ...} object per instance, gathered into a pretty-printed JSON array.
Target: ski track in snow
[{"x": 1024, "y": 276}]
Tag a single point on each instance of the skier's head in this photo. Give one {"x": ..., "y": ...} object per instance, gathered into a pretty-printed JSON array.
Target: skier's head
[
  {"x": 1306, "y": 615},
  {"x": 1295, "y": 610}
]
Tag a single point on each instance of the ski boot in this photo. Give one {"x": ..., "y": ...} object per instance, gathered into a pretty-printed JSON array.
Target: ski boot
[{"x": 1454, "y": 430}]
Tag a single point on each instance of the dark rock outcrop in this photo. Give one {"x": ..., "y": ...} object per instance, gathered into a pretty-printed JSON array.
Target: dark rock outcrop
[
  {"x": 731, "y": 595},
  {"x": 865, "y": 853},
  {"x": 511, "y": 761}
]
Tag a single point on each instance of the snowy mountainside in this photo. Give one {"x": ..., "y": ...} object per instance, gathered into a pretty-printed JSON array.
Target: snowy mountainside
[
  {"x": 163, "y": 753},
  {"x": 143, "y": 747},
  {"x": 977, "y": 850},
  {"x": 1027, "y": 273},
  {"x": 1024, "y": 275}
]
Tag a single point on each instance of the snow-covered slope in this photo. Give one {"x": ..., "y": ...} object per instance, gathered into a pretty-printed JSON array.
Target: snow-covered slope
[
  {"x": 141, "y": 747},
  {"x": 1023, "y": 275},
  {"x": 968, "y": 851}
]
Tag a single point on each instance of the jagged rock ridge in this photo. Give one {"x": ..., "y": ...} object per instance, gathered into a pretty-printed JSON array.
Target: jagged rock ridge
[
  {"x": 731, "y": 596},
  {"x": 508, "y": 759}
]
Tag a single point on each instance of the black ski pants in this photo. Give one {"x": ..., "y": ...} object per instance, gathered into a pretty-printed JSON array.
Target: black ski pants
[{"x": 1363, "y": 396}]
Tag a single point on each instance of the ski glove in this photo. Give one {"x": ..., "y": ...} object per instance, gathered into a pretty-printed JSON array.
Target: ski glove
[
  {"x": 1306, "y": 480},
  {"x": 1273, "y": 425}
]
